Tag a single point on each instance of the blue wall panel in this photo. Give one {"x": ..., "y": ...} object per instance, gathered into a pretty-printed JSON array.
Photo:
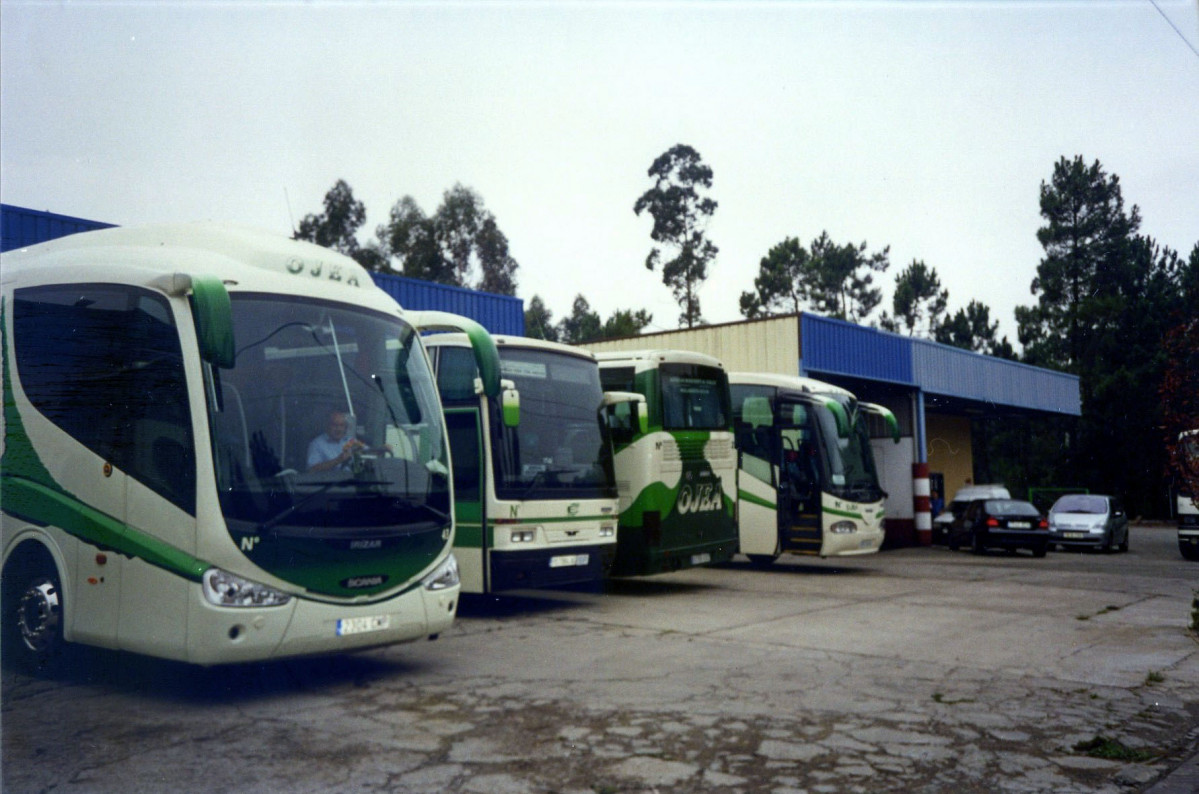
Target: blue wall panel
[
  {"x": 21, "y": 227},
  {"x": 842, "y": 348},
  {"x": 499, "y": 314}
]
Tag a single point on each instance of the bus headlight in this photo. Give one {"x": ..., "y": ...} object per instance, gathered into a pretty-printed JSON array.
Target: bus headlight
[
  {"x": 843, "y": 528},
  {"x": 607, "y": 531},
  {"x": 523, "y": 535},
  {"x": 444, "y": 576},
  {"x": 223, "y": 589}
]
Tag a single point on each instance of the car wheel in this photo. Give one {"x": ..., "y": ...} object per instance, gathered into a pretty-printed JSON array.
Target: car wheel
[
  {"x": 1124, "y": 543},
  {"x": 32, "y": 611},
  {"x": 1040, "y": 550},
  {"x": 1188, "y": 551},
  {"x": 762, "y": 560},
  {"x": 976, "y": 543}
]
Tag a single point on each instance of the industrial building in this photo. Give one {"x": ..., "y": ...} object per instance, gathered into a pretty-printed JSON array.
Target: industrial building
[{"x": 934, "y": 390}]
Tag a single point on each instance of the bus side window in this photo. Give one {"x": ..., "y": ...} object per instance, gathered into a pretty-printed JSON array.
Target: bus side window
[
  {"x": 456, "y": 373},
  {"x": 103, "y": 363}
]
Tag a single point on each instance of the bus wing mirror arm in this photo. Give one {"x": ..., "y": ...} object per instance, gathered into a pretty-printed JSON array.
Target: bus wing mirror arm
[
  {"x": 487, "y": 356},
  {"x": 214, "y": 320},
  {"x": 886, "y": 415}
]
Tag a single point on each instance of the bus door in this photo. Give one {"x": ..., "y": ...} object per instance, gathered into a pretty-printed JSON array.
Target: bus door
[
  {"x": 799, "y": 492},
  {"x": 471, "y": 545},
  {"x": 462, "y": 406}
]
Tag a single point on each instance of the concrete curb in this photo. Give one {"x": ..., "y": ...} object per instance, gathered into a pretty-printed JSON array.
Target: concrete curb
[{"x": 1183, "y": 780}]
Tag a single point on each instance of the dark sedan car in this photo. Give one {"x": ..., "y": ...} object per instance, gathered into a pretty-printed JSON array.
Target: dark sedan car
[{"x": 1006, "y": 523}]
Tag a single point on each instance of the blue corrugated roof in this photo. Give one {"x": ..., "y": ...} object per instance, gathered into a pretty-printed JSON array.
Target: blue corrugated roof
[
  {"x": 21, "y": 227},
  {"x": 836, "y": 347},
  {"x": 499, "y": 314}
]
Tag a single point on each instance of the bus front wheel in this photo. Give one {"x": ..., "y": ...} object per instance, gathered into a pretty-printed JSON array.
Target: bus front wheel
[
  {"x": 33, "y": 611},
  {"x": 762, "y": 560}
]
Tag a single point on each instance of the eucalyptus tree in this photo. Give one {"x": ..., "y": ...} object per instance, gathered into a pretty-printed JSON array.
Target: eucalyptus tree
[{"x": 681, "y": 209}]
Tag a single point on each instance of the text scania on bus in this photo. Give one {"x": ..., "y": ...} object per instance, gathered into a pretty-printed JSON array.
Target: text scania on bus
[{"x": 219, "y": 446}]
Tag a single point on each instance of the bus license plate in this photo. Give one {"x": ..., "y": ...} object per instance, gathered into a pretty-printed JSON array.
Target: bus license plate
[
  {"x": 362, "y": 625},
  {"x": 701, "y": 559},
  {"x": 569, "y": 560}
]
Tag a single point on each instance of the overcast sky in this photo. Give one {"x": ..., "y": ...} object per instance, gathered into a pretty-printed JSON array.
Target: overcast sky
[{"x": 927, "y": 127}]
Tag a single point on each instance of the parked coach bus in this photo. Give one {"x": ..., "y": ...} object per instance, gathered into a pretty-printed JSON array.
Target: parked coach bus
[
  {"x": 219, "y": 446},
  {"x": 677, "y": 470},
  {"x": 807, "y": 480},
  {"x": 534, "y": 485}
]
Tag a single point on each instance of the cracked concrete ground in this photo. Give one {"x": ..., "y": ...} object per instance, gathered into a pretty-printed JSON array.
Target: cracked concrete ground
[{"x": 912, "y": 670}]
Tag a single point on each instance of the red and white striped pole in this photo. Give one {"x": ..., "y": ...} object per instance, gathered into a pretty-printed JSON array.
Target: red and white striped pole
[{"x": 923, "y": 504}]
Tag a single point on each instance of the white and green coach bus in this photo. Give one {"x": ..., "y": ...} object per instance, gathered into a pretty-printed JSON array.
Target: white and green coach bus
[
  {"x": 163, "y": 489},
  {"x": 807, "y": 479},
  {"x": 535, "y": 491},
  {"x": 677, "y": 470}
]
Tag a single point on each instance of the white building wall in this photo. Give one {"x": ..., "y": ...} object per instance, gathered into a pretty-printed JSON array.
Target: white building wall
[{"x": 770, "y": 345}]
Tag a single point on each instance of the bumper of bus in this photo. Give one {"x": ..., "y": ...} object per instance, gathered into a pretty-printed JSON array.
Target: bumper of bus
[
  {"x": 220, "y": 635},
  {"x": 849, "y": 544},
  {"x": 643, "y": 561},
  {"x": 558, "y": 566}
]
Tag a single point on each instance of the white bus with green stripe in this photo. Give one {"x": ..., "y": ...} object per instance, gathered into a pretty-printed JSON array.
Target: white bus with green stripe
[
  {"x": 807, "y": 478},
  {"x": 162, "y": 386},
  {"x": 677, "y": 471},
  {"x": 535, "y": 491}
]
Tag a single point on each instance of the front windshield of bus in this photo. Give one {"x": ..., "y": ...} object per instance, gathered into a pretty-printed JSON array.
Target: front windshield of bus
[
  {"x": 694, "y": 397},
  {"x": 848, "y": 463},
  {"x": 328, "y": 424},
  {"x": 559, "y": 450}
]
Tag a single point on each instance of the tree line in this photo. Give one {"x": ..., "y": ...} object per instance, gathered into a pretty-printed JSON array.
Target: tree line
[{"x": 1109, "y": 303}]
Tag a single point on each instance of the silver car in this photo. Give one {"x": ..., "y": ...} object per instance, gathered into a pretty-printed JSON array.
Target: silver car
[{"x": 1089, "y": 521}]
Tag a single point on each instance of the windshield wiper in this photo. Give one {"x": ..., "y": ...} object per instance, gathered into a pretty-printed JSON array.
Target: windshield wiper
[
  {"x": 428, "y": 508},
  {"x": 278, "y": 517}
]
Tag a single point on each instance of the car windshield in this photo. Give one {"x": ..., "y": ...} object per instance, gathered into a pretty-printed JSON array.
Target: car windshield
[
  {"x": 1010, "y": 507},
  {"x": 310, "y": 378},
  {"x": 1081, "y": 503}
]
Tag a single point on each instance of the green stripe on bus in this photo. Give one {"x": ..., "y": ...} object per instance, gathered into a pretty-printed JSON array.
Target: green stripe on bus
[
  {"x": 468, "y": 536},
  {"x": 845, "y": 513},
  {"x": 35, "y": 502}
]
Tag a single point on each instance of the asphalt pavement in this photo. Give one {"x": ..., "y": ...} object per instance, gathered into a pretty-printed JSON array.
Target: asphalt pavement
[{"x": 911, "y": 670}]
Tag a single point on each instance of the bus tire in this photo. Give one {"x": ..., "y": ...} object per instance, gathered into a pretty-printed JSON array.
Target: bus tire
[
  {"x": 32, "y": 611},
  {"x": 762, "y": 560}
]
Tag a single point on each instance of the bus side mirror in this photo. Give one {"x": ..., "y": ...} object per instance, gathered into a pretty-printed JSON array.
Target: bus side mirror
[
  {"x": 638, "y": 415},
  {"x": 214, "y": 320},
  {"x": 509, "y": 403}
]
